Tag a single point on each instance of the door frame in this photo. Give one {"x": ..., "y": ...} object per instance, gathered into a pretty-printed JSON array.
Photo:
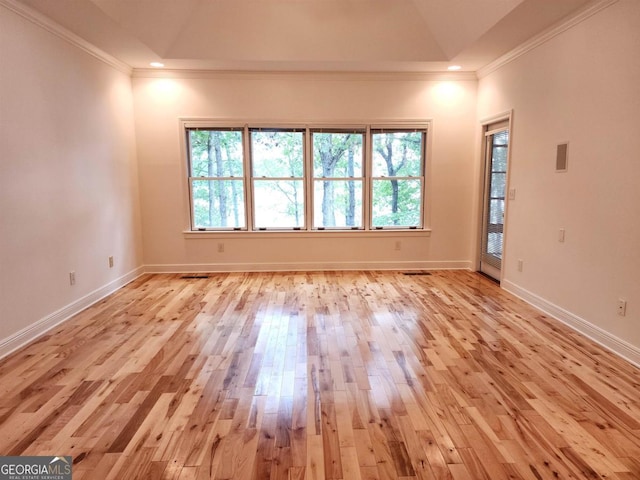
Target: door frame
[{"x": 482, "y": 176}]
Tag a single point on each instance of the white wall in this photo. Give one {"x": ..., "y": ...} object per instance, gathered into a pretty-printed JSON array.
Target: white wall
[
  {"x": 303, "y": 97},
  {"x": 68, "y": 179},
  {"x": 583, "y": 86}
]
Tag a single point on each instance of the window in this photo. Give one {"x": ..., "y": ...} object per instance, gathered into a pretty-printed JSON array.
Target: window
[
  {"x": 337, "y": 179},
  {"x": 278, "y": 179},
  {"x": 312, "y": 179},
  {"x": 216, "y": 178},
  {"x": 397, "y": 177}
]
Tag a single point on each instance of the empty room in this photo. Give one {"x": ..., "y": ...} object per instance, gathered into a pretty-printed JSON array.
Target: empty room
[{"x": 320, "y": 239}]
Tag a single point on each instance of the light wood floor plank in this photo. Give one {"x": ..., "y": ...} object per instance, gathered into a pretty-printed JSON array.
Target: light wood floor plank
[{"x": 321, "y": 375}]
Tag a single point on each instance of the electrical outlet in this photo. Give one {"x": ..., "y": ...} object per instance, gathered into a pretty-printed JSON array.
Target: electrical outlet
[
  {"x": 561, "y": 235},
  {"x": 622, "y": 307},
  {"x": 111, "y": 261},
  {"x": 398, "y": 245},
  {"x": 520, "y": 264},
  {"x": 221, "y": 247},
  {"x": 512, "y": 194},
  {"x": 72, "y": 278}
]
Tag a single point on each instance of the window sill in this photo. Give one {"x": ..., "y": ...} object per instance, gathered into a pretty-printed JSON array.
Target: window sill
[{"x": 190, "y": 234}]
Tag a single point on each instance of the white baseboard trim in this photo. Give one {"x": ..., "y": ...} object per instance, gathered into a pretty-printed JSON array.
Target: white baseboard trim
[
  {"x": 306, "y": 266},
  {"x": 623, "y": 349},
  {"x": 35, "y": 330},
  {"x": 40, "y": 327}
]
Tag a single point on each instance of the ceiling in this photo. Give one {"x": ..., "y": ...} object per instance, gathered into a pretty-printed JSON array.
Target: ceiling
[{"x": 310, "y": 35}]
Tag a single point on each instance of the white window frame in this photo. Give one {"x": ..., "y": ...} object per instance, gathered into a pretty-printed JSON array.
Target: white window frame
[
  {"x": 207, "y": 126},
  {"x": 303, "y": 179},
  {"x": 421, "y": 178},
  {"x": 367, "y": 228},
  {"x": 362, "y": 178}
]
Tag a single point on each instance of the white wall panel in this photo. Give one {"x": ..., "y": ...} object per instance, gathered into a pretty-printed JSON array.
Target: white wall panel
[
  {"x": 302, "y": 98},
  {"x": 580, "y": 87},
  {"x": 68, "y": 176}
]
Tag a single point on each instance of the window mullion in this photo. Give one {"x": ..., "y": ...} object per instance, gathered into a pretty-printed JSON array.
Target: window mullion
[
  {"x": 367, "y": 186},
  {"x": 215, "y": 178},
  {"x": 277, "y": 178},
  {"x": 423, "y": 180},
  {"x": 192, "y": 206},
  {"x": 308, "y": 180},
  {"x": 248, "y": 178}
]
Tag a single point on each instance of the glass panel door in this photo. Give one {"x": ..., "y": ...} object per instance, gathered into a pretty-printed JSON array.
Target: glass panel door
[{"x": 496, "y": 155}]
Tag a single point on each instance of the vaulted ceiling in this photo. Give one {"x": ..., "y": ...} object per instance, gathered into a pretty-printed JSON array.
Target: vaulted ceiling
[{"x": 316, "y": 35}]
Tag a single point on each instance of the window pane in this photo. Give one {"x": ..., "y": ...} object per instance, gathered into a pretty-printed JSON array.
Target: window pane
[
  {"x": 396, "y": 203},
  {"x": 501, "y": 138},
  {"x": 494, "y": 244},
  {"x": 277, "y": 154},
  {"x": 496, "y": 211},
  {"x": 218, "y": 203},
  {"x": 498, "y": 184},
  {"x": 499, "y": 158},
  {"x": 337, "y": 154},
  {"x": 337, "y": 203},
  {"x": 215, "y": 153},
  {"x": 397, "y": 154},
  {"x": 279, "y": 203}
]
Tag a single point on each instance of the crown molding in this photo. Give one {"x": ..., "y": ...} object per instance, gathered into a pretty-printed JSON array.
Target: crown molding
[
  {"x": 302, "y": 74},
  {"x": 552, "y": 32},
  {"x": 50, "y": 26}
]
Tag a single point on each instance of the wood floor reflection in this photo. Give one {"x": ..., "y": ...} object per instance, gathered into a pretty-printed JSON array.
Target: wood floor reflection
[{"x": 327, "y": 375}]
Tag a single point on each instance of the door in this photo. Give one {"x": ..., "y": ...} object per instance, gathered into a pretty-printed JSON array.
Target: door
[{"x": 495, "y": 183}]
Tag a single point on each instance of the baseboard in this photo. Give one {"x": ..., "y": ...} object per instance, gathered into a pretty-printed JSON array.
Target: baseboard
[
  {"x": 306, "y": 266},
  {"x": 35, "y": 330},
  {"x": 40, "y": 327},
  {"x": 618, "y": 346}
]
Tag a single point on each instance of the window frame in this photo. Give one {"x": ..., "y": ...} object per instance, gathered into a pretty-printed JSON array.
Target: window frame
[
  {"x": 192, "y": 179},
  {"x": 253, "y": 178},
  {"x": 308, "y": 179},
  {"x": 362, "y": 178},
  {"x": 424, "y": 131}
]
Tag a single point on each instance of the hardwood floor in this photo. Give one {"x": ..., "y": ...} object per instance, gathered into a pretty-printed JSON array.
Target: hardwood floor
[{"x": 336, "y": 375}]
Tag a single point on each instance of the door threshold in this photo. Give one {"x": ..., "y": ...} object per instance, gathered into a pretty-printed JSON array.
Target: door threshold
[{"x": 486, "y": 275}]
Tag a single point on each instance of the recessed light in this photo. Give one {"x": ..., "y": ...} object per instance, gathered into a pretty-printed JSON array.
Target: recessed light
[
  {"x": 453, "y": 68},
  {"x": 157, "y": 64}
]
